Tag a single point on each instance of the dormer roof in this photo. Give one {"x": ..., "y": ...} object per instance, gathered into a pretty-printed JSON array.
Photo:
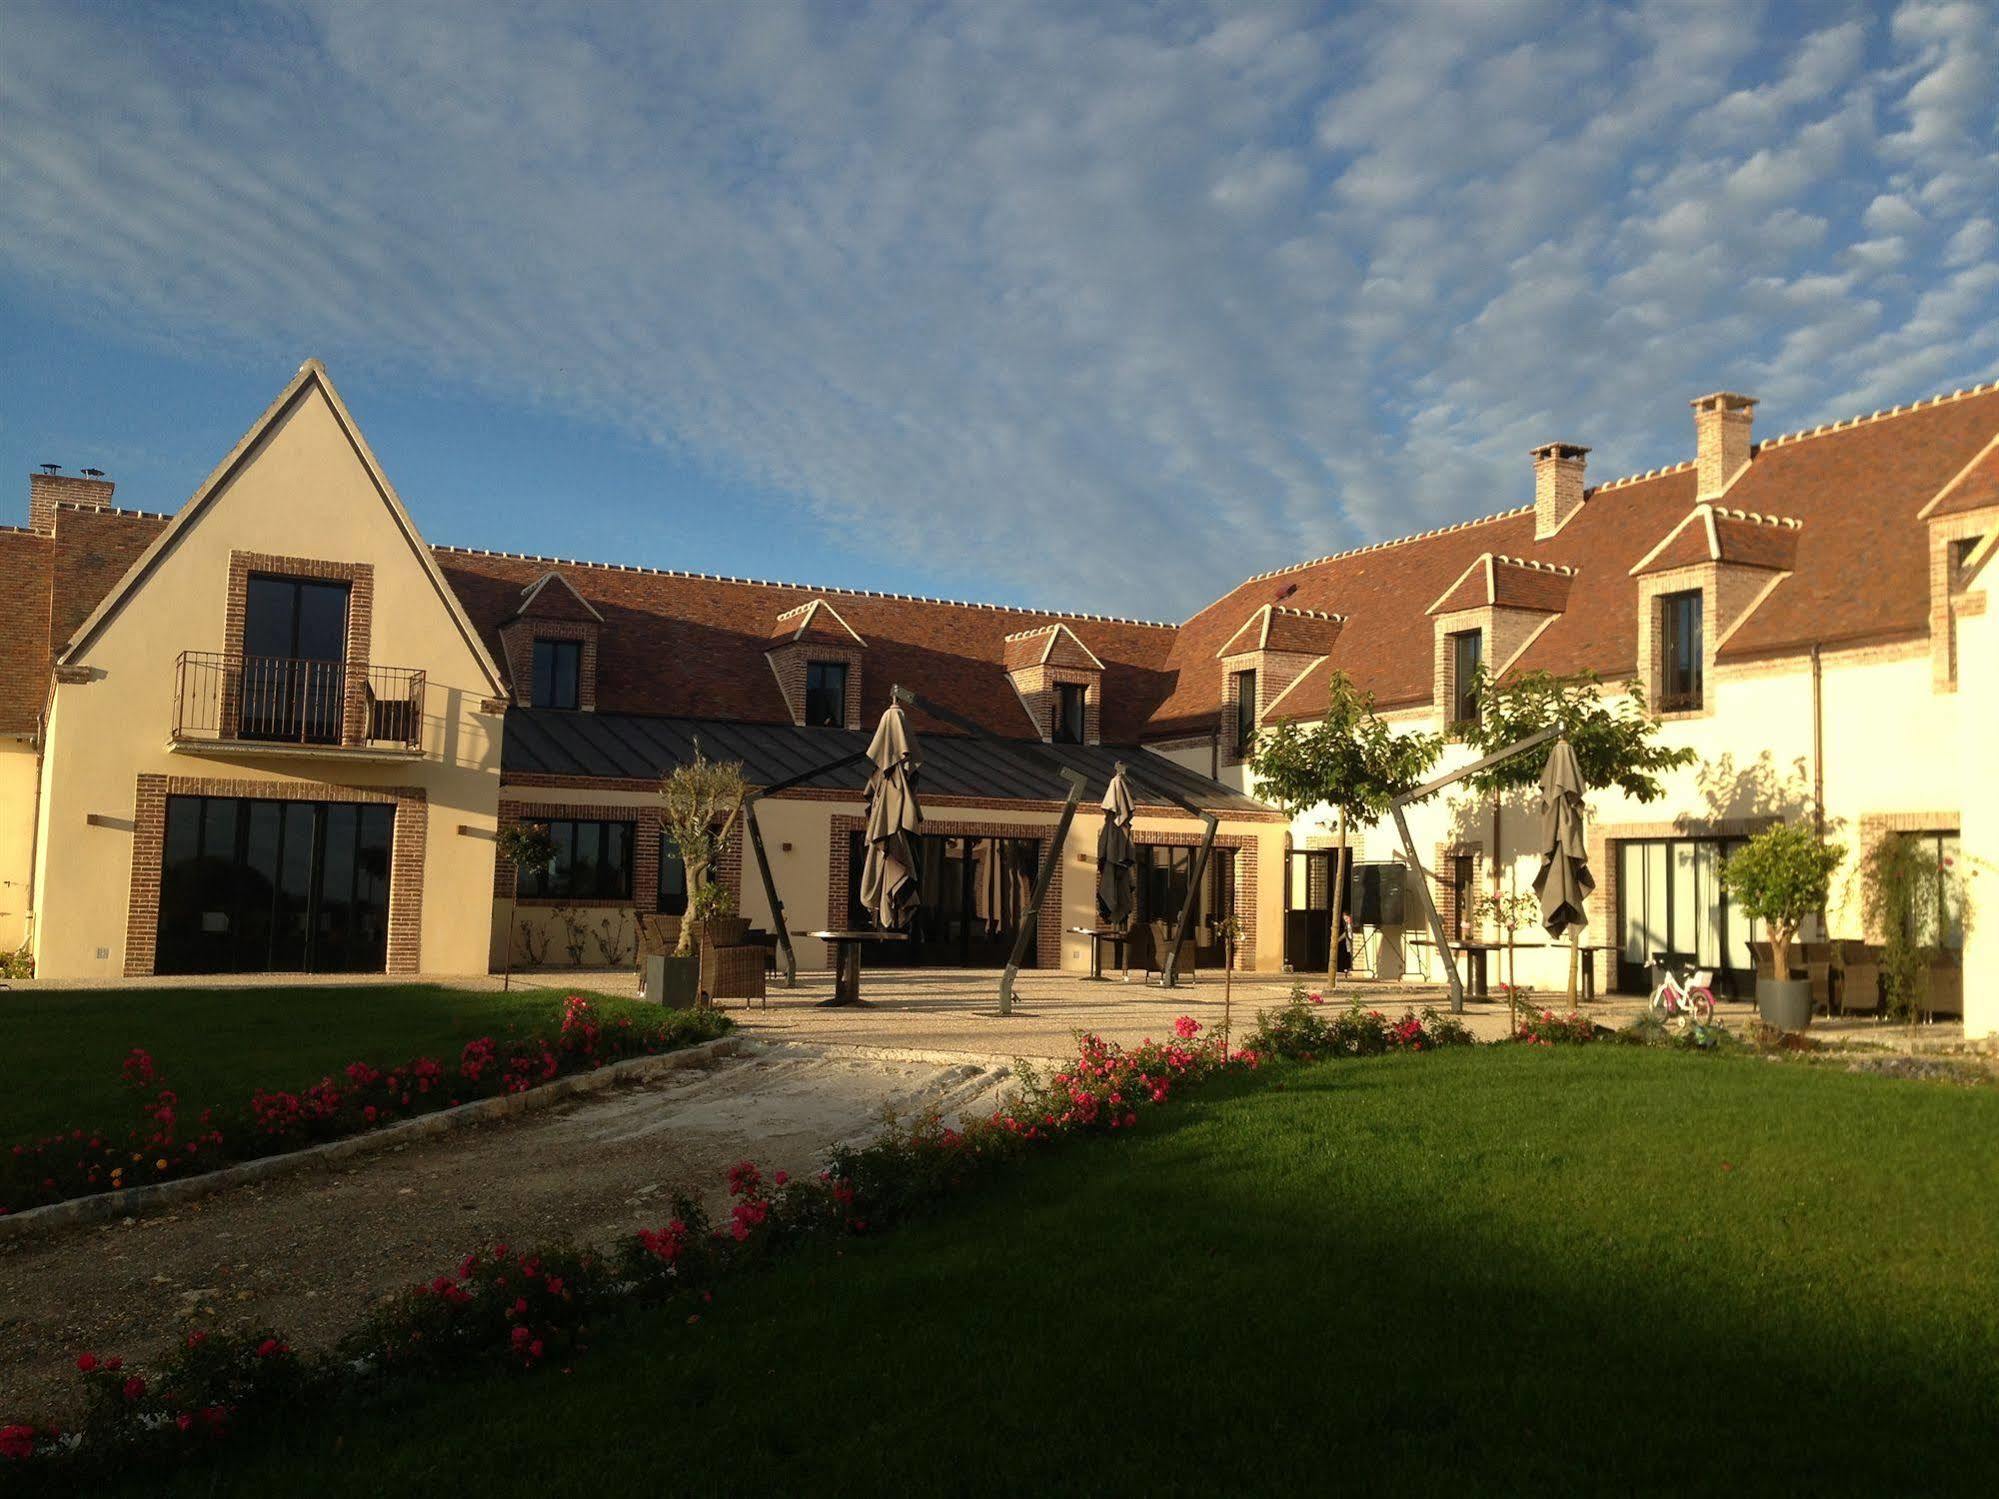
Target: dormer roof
[
  {"x": 1284, "y": 627},
  {"x": 1720, "y": 533},
  {"x": 552, "y": 596},
  {"x": 814, "y": 623},
  {"x": 1053, "y": 644},
  {"x": 1495, "y": 580}
]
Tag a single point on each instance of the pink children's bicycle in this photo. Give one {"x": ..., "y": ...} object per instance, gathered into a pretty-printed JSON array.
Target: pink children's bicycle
[{"x": 1693, "y": 1000}]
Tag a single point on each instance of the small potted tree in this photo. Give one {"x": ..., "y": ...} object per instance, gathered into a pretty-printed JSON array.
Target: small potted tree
[
  {"x": 700, "y": 804},
  {"x": 1781, "y": 876}
]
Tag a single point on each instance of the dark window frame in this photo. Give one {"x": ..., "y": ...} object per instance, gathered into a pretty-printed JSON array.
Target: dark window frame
[
  {"x": 1245, "y": 711},
  {"x": 1464, "y": 675},
  {"x": 1682, "y": 651},
  {"x": 817, "y": 697},
  {"x": 548, "y": 676},
  {"x": 607, "y": 881},
  {"x": 1070, "y": 723}
]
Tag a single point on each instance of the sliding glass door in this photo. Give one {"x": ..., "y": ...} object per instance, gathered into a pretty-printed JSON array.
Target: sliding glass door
[
  {"x": 255, "y": 886},
  {"x": 1670, "y": 900}
]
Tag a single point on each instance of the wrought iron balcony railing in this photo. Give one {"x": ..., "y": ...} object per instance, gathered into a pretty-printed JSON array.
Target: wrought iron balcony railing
[{"x": 281, "y": 700}]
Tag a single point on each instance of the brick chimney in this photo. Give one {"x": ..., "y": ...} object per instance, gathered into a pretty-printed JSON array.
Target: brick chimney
[
  {"x": 1558, "y": 485},
  {"x": 1721, "y": 439},
  {"x": 47, "y": 490}
]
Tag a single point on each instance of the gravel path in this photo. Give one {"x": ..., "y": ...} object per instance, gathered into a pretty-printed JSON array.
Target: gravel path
[{"x": 311, "y": 1253}]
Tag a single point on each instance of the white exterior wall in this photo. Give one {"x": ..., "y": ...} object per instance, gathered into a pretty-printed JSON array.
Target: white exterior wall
[
  {"x": 1892, "y": 745},
  {"x": 1978, "y": 682}
]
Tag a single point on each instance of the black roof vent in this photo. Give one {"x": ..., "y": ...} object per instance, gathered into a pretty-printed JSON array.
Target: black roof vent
[
  {"x": 51, "y": 468},
  {"x": 93, "y": 473}
]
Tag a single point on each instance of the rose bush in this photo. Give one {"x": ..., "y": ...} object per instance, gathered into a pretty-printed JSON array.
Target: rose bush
[
  {"x": 163, "y": 1144},
  {"x": 1550, "y": 1029},
  {"x": 1308, "y": 1030}
]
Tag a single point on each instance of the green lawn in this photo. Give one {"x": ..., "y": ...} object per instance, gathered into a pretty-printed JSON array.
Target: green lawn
[
  {"x": 60, "y": 1050},
  {"x": 1490, "y": 1271}
]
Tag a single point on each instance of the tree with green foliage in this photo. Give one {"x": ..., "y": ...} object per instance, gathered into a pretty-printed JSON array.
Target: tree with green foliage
[
  {"x": 1615, "y": 743},
  {"x": 1350, "y": 760},
  {"x": 1780, "y": 877},
  {"x": 524, "y": 845}
]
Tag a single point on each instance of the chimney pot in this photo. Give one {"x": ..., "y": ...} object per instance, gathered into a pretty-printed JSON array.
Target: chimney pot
[
  {"x": 1722, "y": 424},
  {"x": 1558, "y": 485}
]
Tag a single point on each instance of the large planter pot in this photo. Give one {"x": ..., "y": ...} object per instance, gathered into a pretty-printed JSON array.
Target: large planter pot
[
  {"x": 1785, "y": 1003},
  {"x": 672, "y": 983}
]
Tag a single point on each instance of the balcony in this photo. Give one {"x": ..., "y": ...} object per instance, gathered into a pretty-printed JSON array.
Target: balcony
[{"x": 276, "y": 705}]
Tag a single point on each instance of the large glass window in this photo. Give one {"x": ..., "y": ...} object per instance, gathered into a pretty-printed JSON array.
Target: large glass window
[
  {"x": 672, "y": 881},
  {"x": 1940, "y": 916},
  {"x": 1681, "y": 653},
  {"x": 255, "y": 886},
  {"x": 558, "y": 673},
  {"x": 593, "y": 861},
  {"x": 974, "y": 893},
  {"x": 1467, "y": 655},
  {"x": 1068, "y": 728},
  {"x": 826, "y": 694},
  {"x": 1164, "y": 872},
  {"x": 1671, "y": 901}
]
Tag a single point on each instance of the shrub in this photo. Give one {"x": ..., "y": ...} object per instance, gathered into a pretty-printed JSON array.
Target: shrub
[
  {"x": 1306, "y": 1029},
  {"x": 1781, "y": 876},
  {"x": 1550, "y": 1029}
]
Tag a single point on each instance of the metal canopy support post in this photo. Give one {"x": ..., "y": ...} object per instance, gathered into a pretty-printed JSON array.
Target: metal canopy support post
[
  {"x": 1032, "y": 916},
  {"x": 1396, "y": 808},
  {"x": 1169, "y": 966},
  {"x": 763, "y": 858}
]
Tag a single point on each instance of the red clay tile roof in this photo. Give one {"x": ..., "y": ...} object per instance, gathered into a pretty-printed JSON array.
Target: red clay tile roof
[
  {"x": 1861, "y": 560},
  {"x": 686, "y": 644},
  {"x": 1756, "y": 540},
  {"x": 552, "y": 596},
  {"x": 1518, "y": 583}
]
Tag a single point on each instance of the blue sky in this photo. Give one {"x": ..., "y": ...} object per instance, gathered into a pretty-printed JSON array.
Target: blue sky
[{"x": 1099, "y": 307}]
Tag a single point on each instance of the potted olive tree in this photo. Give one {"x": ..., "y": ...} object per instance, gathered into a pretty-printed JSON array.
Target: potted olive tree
[
  {"x": 700, "y": 804},
  {"x": 1781, "y": 876}
]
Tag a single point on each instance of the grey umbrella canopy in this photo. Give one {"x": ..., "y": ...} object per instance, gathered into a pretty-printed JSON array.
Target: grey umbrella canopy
[
  {"x": 1564, "y": 878},
  {"x": 888, "y": 874},
  {"x": 1117, "y": 856}
]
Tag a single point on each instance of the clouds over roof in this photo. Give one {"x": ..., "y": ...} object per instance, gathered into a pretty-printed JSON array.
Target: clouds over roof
[{"x": 1232, "y": 289}]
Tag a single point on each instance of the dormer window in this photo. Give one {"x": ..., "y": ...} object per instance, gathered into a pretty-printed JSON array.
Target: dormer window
[
  {"x": 558, "y": 673},
  {"x": 1467, "y": 656},
  {"x": 1245, "y": 713},
  {"x": 1681, "y": 684},
  {"x": 825, "y": 694},
  {"x": 1069, "y": 720}
]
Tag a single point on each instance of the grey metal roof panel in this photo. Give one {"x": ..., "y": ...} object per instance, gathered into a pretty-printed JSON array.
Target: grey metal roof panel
[{"x": 631, "y": 746}]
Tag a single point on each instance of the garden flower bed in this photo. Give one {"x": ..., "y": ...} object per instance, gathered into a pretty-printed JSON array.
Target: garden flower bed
[{"x": 167, "y": 1144}]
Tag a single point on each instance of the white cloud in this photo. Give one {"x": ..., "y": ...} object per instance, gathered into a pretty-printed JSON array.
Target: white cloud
[{"x": 1232, "y": 286}]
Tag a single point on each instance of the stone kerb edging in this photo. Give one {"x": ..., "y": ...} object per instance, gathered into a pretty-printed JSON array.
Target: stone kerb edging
[{"x": 132, "y": 1200}]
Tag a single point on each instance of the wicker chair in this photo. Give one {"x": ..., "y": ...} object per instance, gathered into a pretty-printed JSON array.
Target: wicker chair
[
  {"x": 1858, "y": 965},
  {"x": 1152, "y": 941}
]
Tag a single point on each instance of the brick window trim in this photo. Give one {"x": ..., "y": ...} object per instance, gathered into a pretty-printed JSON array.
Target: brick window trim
[
  {"x": 1875, "y": 826},
  {"x": 1948, "y": 601},
  {"x": 1446, "y": 889},
  {"x": 360, "y": 580},
  {"x": 788, "y": 663},
  {"x": 406, "y": 860},
  {"x": 646, "y": 847},
  {"x": 517, "y": 638},
  {"x": 1246, "y": 880}
]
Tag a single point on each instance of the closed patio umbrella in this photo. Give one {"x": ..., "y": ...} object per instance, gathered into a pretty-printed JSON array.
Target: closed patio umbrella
[
  {"x": 1564, "y": 878},
  {"x": 1117, "y": 857},
  {"x": 888, "y": 874}
]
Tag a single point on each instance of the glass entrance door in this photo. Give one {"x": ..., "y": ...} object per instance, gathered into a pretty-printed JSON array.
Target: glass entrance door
[
  {"x": 1670, "y": 901},
  {"x": 254, "y": 886},
  {"x": 1308, "y": 908},
  {"x": 294, "y": 659}
]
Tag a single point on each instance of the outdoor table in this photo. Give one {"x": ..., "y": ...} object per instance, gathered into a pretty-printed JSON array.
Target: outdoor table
[
  {"x": 1474, "y": 953},
  {"x": 847, "y": 947},
  {"x": 1099, "y": 935}
]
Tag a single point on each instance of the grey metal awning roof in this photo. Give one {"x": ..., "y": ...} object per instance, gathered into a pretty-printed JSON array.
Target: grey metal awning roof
[{"x": 632, "y": 746}]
